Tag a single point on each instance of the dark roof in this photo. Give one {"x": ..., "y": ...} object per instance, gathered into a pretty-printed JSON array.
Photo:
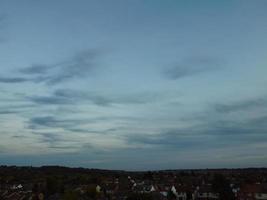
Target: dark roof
[{"x": 254, "y": 188}]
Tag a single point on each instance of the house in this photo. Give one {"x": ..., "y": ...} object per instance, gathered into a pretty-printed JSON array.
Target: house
[
  {"x": 252, "y": 192},
  {"x": 205, "y": 192}
]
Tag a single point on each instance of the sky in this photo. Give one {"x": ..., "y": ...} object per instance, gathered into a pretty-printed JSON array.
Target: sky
[{"x": 133, "y": 84}]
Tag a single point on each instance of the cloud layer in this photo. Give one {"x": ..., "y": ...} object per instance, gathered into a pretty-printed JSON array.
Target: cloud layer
[{"x": 173, "y": 85}]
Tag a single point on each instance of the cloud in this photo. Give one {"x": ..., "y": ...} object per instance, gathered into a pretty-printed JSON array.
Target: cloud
[
  {"x": 240, "y": 105},
  {"x": 233, "y": 129},
  {"x": 75, "y": 125},
  {"x": 74, "y": 95},
  {"x": 192, "y": 66},
  {"x": 67, "y": 96},
  {"x": 44, "y": 121},
  {"x": 4, "y": 112},
  {"x": 13, "y": 79},
  {"x": 52, "y": 122},
  {"x": 55, "y": 141},
  {"x": 50, "y": 138},
  {"x": 35, "y": 69},
  {"x": 169, "y": 139},
  {"x": 215, "y": 129},
  {"x": 50, "y": 100},
  {"x": 208, "y": 135},
  {"x": 19, "y": 136},
  {"x": 80, "y": 65},
  {"x": 14, "y": 106}
]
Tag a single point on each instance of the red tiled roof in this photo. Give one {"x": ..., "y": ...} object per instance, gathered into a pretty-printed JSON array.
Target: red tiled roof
[{"x": 253, "y": 188}]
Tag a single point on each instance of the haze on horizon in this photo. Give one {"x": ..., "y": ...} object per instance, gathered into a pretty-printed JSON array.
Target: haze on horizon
[{"x": 133, "y": 85}]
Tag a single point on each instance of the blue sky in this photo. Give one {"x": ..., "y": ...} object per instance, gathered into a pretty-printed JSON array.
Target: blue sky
[{"x": 131, "y": 84}]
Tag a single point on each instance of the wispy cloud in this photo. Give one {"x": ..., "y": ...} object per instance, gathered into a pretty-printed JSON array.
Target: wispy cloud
[
  {"x": 214, "y": 129},
  {"x": 50, "y": 138},
  {"x": 50, "y": 100},
  {"x": 13, "y": 79},
  {"x": 170, "y": 139},
  {"x": 53, "y": 122},
  {"x": 208, "y": 135},
  {"x": 79, "y": 96},
  {"x": 56, "y": 141},
  {"x": 192, "y": 66},
  {"x": 35, "y": 69},
  {"x": 19, "y": 136},
  {"x": 240, "y": 105},
  {"x": 80, "y": 65},
  {"x": 4, "y": 112},
  {"x": 67, "y": 96},
  {"x": 61, "y": 97}
]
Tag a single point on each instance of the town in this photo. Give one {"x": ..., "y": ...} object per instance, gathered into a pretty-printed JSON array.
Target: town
[{"x": 62, "y": 183}]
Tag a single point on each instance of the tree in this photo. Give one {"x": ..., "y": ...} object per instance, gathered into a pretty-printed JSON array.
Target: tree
[
  {"x": 70, "y": 195},
  {"x": 91, "y": 191},
  {"x": 222, "y": 186},
  {"x": 136, "y": 196},
  {"x": 53, "y": 185},
  {"x": 171, "y": 195}
]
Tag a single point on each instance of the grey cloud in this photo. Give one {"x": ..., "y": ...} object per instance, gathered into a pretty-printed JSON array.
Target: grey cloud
[
  {"x": 70, "y": 124},
  {"x": 62, "y": 147},
  {"x": 75, "y": 125},
  {"x": 19, "y": 136},
  {"x": 13, "y": 80},
  {"x": 211, "y": 135},
  {"x": 65, "y": 96},
  {"x": 61, "y": 97},
  {"x": 4, "y": 112},
  {"x": 57, "y": 141},
  {"x": 83, "y": 96},
  {"x": 44, "y": 121},
  {"x": 241, "y": 105},
  {"x": 8, "y": 107},
  {"x": 54, "y": 140},
  {"x": 192, "y": 66},
  {"x": 211, "y": 131},
  {"x": 50, "y": 138},
  {"x": 83, "y": 130},
  {"x": 168, "y": 139},
  {"x": 243, "y": 131},
  {"x": 106, "y": 99},
  {"x": 50, "y": 100},
  {"x": 35, "y": 69},
  {"x": 259, "y": 122},
  {"x": 141, "y": 98},
  {"x": 219, "y": 124},
  {"x": 226, "y": 127},
  {"x": 80, "y": 65},
  {"x": 52, "y": 122},
  {"x": 215, "y": 120}
]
